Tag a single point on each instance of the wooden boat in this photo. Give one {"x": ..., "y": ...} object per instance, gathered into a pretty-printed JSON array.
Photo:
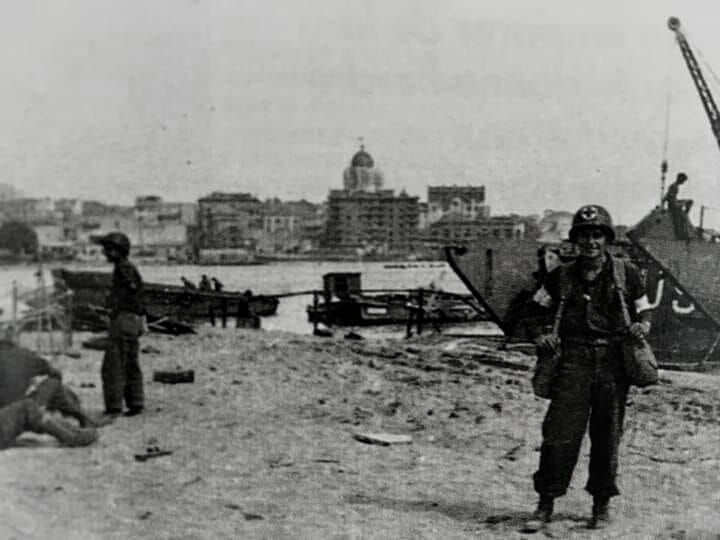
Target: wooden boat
[
  {"x": 344, "y": 303},
  {"x": 172, "y": 301}
]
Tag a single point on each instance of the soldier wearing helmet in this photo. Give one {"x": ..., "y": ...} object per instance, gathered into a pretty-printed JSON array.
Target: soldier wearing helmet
[
  {"x": 590, "y": 381},
  {"x": 121, "y": 374}
]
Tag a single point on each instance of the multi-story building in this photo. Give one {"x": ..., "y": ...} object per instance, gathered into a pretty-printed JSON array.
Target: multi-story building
[
  {"x": 293, "y": 226},
  {"x": 365, "y": 216},
  {"x": 27, "y": 209},
  {"x": 227, "y": 220},
  {"x": 458, "y": 231},
  {"x": 466, "y": 202},
  {"x": 153, "y": 210}
]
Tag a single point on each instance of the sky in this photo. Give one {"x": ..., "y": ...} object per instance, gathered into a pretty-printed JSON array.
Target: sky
[{"x": 549, "y": 104}]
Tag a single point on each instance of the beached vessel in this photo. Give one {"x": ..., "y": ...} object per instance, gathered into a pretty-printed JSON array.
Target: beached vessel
[
  {"x": 344, "y": 303},
  {"x": 680, "y": 262},
  {"x": 162, "y": 300}
]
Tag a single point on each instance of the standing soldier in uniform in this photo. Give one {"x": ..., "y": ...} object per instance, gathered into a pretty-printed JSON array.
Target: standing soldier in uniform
[
  {"x": 590, "y": 382},
  {"x": 121, "y": 374}
]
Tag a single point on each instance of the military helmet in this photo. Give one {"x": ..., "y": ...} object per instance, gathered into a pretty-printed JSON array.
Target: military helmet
[
  {"x": 117, "y": 240},
  {"x": 592, "y": 215}
]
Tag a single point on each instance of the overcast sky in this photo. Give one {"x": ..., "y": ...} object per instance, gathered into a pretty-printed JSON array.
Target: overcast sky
[{"x": 548, "y": 104}]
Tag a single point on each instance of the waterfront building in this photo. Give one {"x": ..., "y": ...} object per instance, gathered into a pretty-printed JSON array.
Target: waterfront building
[
  {"x": 463, "y": 202},
  {"x": 27, "y": 209},
  {"x": 292, "y": 226},
  {"x": 228, "y": 220},
  {"x": 8, "y": 191},
  {"x": 454, "y": 230},
  {"x": 364, "y": 216}
]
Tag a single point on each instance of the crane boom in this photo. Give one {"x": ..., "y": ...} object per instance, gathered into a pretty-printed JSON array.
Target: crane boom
[{"x": 706, "y": 96}]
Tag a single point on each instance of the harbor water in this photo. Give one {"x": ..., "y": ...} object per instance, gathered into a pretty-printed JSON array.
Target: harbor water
[{"x": 276, "y": 278}]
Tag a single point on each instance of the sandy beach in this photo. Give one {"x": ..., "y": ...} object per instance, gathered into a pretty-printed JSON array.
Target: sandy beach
[{"x": 263, "y": 446}]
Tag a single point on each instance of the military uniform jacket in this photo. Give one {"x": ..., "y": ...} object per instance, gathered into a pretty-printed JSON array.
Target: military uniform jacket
[
  {"x": 126, "y": 293},
  {"x": 592, "y": 308}
]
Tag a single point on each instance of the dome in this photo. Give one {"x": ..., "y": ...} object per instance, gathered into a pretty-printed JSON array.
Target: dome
[{"x": 362, "y": 159}]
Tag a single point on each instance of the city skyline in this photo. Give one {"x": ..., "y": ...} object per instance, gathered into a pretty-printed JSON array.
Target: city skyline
[{"x": 547, "y": 106}]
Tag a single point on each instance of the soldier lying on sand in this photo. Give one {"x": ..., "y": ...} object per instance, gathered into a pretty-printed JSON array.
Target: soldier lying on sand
[{"x": 30, "y": 390}]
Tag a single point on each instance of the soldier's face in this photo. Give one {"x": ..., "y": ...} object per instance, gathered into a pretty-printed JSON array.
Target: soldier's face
[
  {"x": 591, "y": 242},
  {"x": 111, "y": 254}
]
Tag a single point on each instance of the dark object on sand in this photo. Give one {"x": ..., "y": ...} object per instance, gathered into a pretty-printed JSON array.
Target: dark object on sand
[
  {"x": 174, "y": 377},
  {"x": 96, "y": 343},
  {"x": 152, "y": 452}
]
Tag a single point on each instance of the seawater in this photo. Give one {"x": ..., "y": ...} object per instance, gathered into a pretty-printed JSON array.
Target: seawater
[{"x": 276, "y": 278}]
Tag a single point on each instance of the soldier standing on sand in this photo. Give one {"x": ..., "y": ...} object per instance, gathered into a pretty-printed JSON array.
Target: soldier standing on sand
[
  {"x": 590, "y": 382},
  {"x": 121, "y": 374}
]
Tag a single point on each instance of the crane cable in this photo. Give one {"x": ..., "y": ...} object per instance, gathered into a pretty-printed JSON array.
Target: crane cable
[{"x": 666, "y": 137}]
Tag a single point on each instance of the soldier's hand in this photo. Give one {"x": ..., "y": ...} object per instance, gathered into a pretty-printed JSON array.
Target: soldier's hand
[
  {"x": 639, "y": 330},
  {"x": 548, "y": 343}
]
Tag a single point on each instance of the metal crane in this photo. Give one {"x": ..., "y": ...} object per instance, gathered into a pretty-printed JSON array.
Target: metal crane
[{"x": 706, "y": 96}]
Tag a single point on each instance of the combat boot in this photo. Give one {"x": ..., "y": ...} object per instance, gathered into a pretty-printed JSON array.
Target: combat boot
[
  {"x": 600, "y": 513},
  {"x": 541, "y": 515},
  {"x": 67, "y": 434}
]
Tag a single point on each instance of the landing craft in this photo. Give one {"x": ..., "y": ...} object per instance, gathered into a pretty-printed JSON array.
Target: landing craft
[{"x": 680, "y": 262}]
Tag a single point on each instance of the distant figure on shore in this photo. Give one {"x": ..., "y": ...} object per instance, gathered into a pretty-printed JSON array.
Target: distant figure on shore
[
  {"x": 205, "y": 284},
  {"x": 189, "y": 285},
  {"x": 679, "y": 208},
  {"x": 217, "y": 284},
  {"x": 248, "y": 293}
]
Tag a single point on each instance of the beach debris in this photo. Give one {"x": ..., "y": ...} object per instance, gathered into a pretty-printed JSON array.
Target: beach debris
[
  {"x": 280, "y": 460},
  {"x": 382, "y": 439},
  {"x": 511, "y": 455},
  {"x": 354, "y": 335},
  {"x": 97, "y": 343},
  {"x": 144, "y": 515},
  {"x": 149, "y": 349},
  {"x": 322, "y": 332},
  {"x": 73, "y": 353},
  {"x": 249, "y": 516},
  {"x": 174, "y": 377},
  {"x": 152, "y": 452},
  {"x": 87, "y": 385}
]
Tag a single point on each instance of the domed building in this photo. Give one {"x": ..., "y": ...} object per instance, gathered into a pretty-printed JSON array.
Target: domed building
[
  {"x": 362, "y": 175},
  {"x": 365, "y": 217}
]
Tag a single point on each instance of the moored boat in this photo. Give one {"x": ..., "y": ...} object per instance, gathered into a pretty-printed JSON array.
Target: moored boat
[
  {"x": 162, "y": 300},
  {"x": 345, "y": 303}
]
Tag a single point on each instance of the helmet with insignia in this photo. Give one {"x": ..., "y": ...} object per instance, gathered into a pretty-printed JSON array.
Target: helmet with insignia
[
  {"x": 595, "y": 216},
  {"x": 117, "y": 240}
]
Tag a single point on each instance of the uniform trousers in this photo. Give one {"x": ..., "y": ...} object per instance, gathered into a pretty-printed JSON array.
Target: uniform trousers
[
  {"x": 590, "y": 385},
  {"x": 121, "y": 374}
]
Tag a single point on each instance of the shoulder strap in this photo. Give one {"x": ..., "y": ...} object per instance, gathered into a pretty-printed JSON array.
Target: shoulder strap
[
  {"x": 619, "y": 279},
  {"x": 565, "y": 289},
  {"x": 619, "y": 272}
]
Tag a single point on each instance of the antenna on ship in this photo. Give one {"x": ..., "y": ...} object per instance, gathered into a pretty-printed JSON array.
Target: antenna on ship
[{"x": 664, "y": 163}]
